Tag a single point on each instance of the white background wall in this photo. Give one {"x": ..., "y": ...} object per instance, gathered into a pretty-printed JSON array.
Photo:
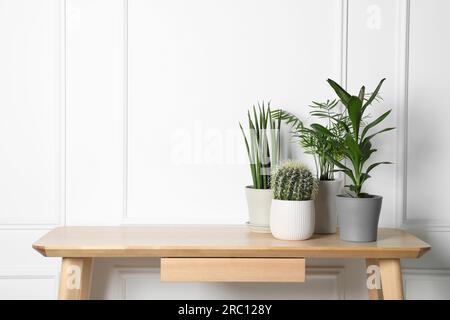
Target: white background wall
[{"x": 126, "y": 111}]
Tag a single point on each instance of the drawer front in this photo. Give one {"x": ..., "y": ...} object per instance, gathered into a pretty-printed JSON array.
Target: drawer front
[{"x": 233, "y": 269}]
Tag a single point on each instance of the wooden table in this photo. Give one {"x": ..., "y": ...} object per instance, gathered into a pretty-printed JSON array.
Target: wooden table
[{"x": 221, "y": 253}]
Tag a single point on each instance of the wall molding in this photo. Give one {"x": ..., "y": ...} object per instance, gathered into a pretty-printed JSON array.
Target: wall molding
[
  {"x": 402, "y": 87},
  {"x": 63, "y": 188},
  {"x": 338, "y": 273},
  {"x": 412, "y": 274},
  {"x": 427, "y": 226},
  {"x": 27, "y": 227},
  {"x": 344, "y": 42},
  {"x": 125, "y": 111},
  {"x": 38, "y": 223},
  {"x": 50, "y": 277},
  {"x": 28, "y": 276},
  {"x": 402, "y": 104},
  {"x": 425, "y": 273},
  {"x": 342, "y": 53}
]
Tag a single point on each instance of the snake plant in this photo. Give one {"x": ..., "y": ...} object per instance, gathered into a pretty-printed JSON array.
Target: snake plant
[{"x": 262, "y": 144}]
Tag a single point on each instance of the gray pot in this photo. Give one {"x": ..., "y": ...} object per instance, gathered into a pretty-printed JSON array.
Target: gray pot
[
  {"x": 325, "y": 202},
  {"x": 358, "y": 218}
]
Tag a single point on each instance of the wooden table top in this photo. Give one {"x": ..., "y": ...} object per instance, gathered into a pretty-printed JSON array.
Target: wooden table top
[{"x": 217, "y": 241}]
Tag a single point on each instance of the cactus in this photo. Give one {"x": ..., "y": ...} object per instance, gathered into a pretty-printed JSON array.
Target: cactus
[{"x": 293, "y": 181}]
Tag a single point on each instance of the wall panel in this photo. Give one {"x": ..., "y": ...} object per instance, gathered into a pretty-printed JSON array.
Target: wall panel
[
  {"x": 194, "y": 69},
  {"x": 30, "y": 112},
  {"x": 426, "y": 284},
  {"x": 95, "y": 86},
  {"x": 428, "y": 132},
  {"x": 28, "y": 288}
]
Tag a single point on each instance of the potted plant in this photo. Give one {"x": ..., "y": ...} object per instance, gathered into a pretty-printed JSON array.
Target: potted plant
[
  {"x": 358, "y": 211},
  {"x": 292, "y": 214},
  {"x": 322, "y": 147},
  {"x": 263, "y": 149}
]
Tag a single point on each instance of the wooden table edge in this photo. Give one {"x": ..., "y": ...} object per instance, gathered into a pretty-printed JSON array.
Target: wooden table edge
[
  {"x": 215, "y": 252},
  {"x": 40, "y": 248}
]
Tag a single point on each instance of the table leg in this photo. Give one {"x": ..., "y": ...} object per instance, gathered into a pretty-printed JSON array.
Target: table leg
[
  {"x": 75, "y": 278},
  {"x": 391, "y": 279},
  {"x": 373, "y": 279}
]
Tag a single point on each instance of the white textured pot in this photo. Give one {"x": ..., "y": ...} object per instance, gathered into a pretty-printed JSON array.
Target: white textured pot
[
  {"x": 325, "y": 202},
  {"x": 258, "y": 202},
  {"x": 292, "y": 220}
]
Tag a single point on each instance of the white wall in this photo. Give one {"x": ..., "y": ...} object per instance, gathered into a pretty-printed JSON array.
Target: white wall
[{"x": 126, "y": 111}]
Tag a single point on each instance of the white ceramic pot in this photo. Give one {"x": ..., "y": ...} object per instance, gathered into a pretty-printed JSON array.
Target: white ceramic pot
[
  {"x": 325, "y": 202},
  {"x": 292, "y": 220},
  {"x": 258, "y": 202}
]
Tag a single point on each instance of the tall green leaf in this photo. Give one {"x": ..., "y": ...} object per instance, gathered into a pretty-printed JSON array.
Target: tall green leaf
[
  {"x": 354, "y": 112},
  {"x": 342, "y": 94},
  {"x": 374, "y": 123},
  {"x": 374, "y": 95},
  {"x": 258, "y": 147},
  {"x": 373, "y": 166},
  {"x": 250, "y": 158},
  {"x": 362, "y": 93},
  {"x": 381, "y": 131}
]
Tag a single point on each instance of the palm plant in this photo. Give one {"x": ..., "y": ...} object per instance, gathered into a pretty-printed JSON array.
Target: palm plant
[
  {"x": 321, "y": 146},
  {"x": 356, "y": 145},
  {"x": 263, "y": 153}
]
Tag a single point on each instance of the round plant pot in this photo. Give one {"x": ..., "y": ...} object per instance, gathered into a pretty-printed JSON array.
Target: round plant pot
[
  {"x": 358, "y": 218},
  {"x": 258, "y": 202},
  {"x": 292, "y": 220},
  {"x": 325, "y": 204}
]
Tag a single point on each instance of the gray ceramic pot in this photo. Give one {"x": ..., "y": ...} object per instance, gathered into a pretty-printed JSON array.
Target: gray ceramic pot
[
  {"x": 325, "y": 201},
  {"x": 358, "y": 218}
]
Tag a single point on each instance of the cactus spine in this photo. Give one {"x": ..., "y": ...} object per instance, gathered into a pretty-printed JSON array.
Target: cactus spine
[{"x": 293, "y": 181}]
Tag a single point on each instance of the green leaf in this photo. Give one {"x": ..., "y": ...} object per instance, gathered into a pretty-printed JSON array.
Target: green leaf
[
  {"x": 339, "y": 164},
  {"x": 246, "y": 143},
  {"x": 381, "y": 131},
  {"x": 341, "y": 93},
  {"x": 321, "y": 129},
  {"x": 372, "y": 166},
  {"x": 354, "y": 112},
  {"x": 250, "y": 158},
  {"x": 364, "y": 177},
  {"x": 366, "y": 150},
  {"x": 375, "y": 122},
  {"x": 374, "y": 95},
  {"x": 289, "y": 118},
  {"x": 269, "y": 113},
  {"x": 256, "y": 126},
  {"x": 353, "y": 152},
  {"x": 353, "y": 147},
  {"x": 348, "y": 173},
  {"x": 343, "y": 125},
  {"x": 362, "y": 92}
]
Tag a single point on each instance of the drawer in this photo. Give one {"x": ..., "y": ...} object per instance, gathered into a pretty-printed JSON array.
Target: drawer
[{"x": 233, "y": 269}]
